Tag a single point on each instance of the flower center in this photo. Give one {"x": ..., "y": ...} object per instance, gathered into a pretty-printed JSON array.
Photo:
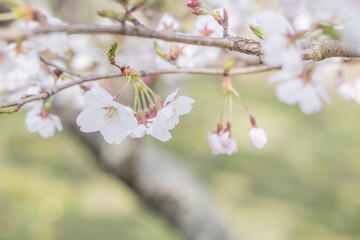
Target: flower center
[{"x": 111, "y": 116}]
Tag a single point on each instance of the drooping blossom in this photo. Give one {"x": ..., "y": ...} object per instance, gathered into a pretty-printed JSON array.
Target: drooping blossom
[
  {"x": 222, "y": 142},
  {"x": 114, "y": 120},
  {"x": 40, "y": 120},
  {"x": 166, "y": 119},
  {"x": 280, "y": 47},
  {"x": 303, "y": 89},
  {"x": 257, "y": 135}
]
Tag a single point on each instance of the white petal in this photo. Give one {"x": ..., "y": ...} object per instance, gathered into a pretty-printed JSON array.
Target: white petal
[
  {"x": 48, "y": 129},
  {"x": 161, "y": 134},
  {"x": 97, "y": 97},
  {"x": 126, "y": 116},
  {"x": 291, "y": 59},
  {"x": 114, "y": 133},
  {"x": 138, "y": 132},
  {"x": 171, "y": 97},
  {"x": 272, "y": 22},
  {"x": 33, "y": 122},
  {"x": 91, "y": 119},
  {"x": 57, "y": 122},
  {"x": 290, "y": 91},
  {"x": 182, "y": 105},
  {"x": 309, "y": 101}
]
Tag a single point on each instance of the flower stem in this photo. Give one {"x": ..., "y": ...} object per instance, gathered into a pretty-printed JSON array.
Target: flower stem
[
  {"x": 122, "y": 90},
  {"x": 230, "y": 108}
]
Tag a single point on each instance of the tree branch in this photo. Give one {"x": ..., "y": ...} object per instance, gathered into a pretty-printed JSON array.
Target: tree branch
[
  {"x": 50, "y": 92},
  {"x": 238, "y": 44},
  {"x": 316, "y": 51}
]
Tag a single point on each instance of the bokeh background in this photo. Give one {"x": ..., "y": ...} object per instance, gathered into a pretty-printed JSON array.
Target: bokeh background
[{"x": 305, "y": 184}]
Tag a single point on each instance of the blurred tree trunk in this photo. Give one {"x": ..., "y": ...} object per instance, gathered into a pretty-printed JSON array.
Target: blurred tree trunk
[{"x": 159, "y": 182}]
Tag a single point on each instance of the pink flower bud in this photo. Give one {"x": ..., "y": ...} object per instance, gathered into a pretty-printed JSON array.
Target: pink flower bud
[
  {"x": 221, "y": 142},
  {"x": 194, "y": 6},
  {"x": 258, "y": 138}
]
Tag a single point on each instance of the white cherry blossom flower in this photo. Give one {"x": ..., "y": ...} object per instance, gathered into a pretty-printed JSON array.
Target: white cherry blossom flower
[
  {"x": 166, "y": 119},
  {"x": 114, "y": 120},
  {"x": 205, "y": 25},
  {"x": 279, "y": 46},
  {"x": 39, "y": 120},
  {"x": 222, "y": 142},
  {"x": 257, "y": 137},
  {"x": 168, "y": 23},
  {"x": 300, "y": 89}
]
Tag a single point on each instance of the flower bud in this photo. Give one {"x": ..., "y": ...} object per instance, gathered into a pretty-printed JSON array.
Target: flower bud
[{"x": 257, "y": 136}]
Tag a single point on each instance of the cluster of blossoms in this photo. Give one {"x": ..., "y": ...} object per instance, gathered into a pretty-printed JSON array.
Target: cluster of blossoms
[
  {"x": 150, "y": 115},
  {"x": 301, "y": 83},
  {"x": 23, "y": 74}
]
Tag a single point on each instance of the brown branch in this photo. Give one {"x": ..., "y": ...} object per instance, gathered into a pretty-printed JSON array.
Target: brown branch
[
  {"x": 238, "y": 44},
  {"x": 327, "y": 49},
  {"x": 207, "y": 71},
  {"x": 316, "y": 51},
  {"x": 72, "y": 73}
]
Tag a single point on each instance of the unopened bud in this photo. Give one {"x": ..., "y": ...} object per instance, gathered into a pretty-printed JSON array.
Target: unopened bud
[
  {"x": 257, "y": 31},
  {"x": 112, "y": 52}
]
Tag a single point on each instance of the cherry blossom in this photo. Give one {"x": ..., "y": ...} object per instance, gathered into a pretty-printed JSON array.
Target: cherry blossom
[
  {"x": 168, "y": 23},
  {"x": 301, "y": 89},
  {"x": 279, "y": 46},
  {"x": 166, "y": 119},
  {"x": 222, "y": 142},
  {"x": 205, "y": 25},
  {"x": 114, "y": 120},
  {"x": 39, "y": 120}
]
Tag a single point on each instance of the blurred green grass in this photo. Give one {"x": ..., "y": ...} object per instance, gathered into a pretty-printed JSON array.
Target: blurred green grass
[{"x": 304, "y": 185}]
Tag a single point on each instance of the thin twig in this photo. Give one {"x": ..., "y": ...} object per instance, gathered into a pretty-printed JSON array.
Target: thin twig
[{"x": 207, "y": 71}]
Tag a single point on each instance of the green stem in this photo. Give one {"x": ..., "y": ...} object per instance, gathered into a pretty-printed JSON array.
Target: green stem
[
  {"x": 230, "y": 108},
  {"x": 145, "y": 107},
  {"x": 122, "y": 90},
  {"x": 222, "y": 109}
]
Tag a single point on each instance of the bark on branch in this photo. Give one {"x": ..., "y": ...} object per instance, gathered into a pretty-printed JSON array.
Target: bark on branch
[
  {"x": 238, "y": 44},
  {"x": 316, "y": 51}
]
